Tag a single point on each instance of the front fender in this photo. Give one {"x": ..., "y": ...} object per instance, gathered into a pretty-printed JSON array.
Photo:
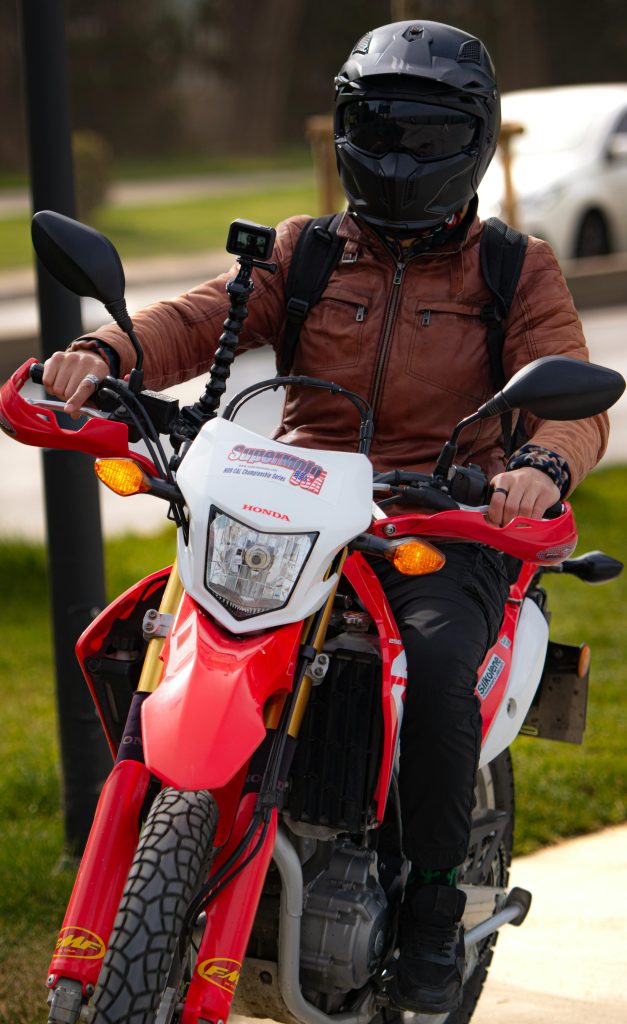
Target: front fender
[{"x": 206, "y": 717}]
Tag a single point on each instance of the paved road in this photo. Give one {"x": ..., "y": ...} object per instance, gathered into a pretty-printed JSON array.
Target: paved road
[
  {"x": 567, "y": 963},
  {"x": 16, "y": 202}
]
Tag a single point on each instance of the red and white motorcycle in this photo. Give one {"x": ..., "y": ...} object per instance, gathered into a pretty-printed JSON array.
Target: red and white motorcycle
[{"x": 246, "y": 849}]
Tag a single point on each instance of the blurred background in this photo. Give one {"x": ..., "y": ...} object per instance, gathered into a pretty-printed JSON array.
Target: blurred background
[{"x": 187, "y": 114}]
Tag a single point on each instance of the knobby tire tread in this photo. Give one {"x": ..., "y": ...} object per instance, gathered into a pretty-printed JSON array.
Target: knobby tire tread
[{"x": 170, "y": 864}]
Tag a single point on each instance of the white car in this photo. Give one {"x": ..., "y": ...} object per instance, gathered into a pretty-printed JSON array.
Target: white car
[{"x": 569, "y": 167}]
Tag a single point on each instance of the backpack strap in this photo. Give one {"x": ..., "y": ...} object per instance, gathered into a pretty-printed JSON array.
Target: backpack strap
[
  {"x": 314, "y": 259},
  {"x": 502, "y": 253}
]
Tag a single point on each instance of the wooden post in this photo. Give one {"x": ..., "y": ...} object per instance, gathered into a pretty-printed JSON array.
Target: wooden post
[
  {"x": 319, "y": 132},
  {"x": 510, "y": 199}
]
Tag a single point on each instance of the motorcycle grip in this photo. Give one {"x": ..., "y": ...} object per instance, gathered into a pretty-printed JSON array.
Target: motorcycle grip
[{"x": 36, "y": 373}]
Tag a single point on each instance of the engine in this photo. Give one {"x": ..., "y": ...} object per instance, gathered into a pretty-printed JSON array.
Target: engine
[{"x": 345, "y": 923}]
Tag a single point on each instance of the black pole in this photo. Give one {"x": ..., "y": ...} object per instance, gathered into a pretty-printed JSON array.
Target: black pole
[{"x": 76, "y": 568}]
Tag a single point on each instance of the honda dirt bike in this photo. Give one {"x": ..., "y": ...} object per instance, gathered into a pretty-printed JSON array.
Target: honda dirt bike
[{"x": 246, "y": 849}]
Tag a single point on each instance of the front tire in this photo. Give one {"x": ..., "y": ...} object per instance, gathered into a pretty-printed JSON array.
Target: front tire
[{"x": 170, "y": 865}]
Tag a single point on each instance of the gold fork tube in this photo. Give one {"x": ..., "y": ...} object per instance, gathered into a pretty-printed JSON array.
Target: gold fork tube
[{"x": 153, "y": 666}]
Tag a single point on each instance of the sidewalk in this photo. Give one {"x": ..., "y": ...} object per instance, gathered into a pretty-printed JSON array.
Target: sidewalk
[{"x": 16, "y": 202}]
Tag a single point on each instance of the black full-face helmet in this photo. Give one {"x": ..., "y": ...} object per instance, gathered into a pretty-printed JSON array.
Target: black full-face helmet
[{"x": 417, "y": 116}]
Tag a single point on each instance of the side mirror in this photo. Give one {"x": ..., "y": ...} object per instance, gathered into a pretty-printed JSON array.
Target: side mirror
[
  {"x": 558, "y": 388},
  {"x": 78, "y": 256},
  {"x": 553, "y": 388},
  {"x": 87, "y": 263}
]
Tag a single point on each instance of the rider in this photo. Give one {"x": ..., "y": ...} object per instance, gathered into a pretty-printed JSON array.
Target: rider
[{"x": 417, "y": 117}]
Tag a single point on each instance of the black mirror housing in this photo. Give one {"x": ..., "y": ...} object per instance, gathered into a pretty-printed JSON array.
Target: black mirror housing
[
  {"x": 558, "y": 388},
  {"x": 81, "y": 258}
]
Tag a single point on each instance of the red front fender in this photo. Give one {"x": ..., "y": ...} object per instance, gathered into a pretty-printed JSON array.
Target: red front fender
[{"x": 206, "y": 718}]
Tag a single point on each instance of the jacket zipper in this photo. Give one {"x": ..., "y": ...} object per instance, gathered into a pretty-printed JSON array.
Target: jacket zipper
[
  {"x": 360, "y": 310},
  {"x": 387, "y": 332}
]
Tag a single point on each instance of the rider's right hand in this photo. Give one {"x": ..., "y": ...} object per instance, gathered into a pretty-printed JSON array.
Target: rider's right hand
[{"x": 65, "y": 373}]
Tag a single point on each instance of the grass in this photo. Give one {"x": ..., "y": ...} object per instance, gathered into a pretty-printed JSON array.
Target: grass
[
  {"x": 193, "y": 226},
  {"x": 188, "y": 164},
  {"x": 561, "y": 790}
]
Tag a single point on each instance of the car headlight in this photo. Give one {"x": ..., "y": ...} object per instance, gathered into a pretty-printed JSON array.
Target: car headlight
[{"x": 252, "y": 572}]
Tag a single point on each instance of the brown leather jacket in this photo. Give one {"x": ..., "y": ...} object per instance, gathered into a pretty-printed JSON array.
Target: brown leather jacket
[{"x": 408, "y": 338}]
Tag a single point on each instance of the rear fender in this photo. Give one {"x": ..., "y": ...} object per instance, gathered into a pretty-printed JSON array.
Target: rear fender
[{"x": 207, "y": 716}]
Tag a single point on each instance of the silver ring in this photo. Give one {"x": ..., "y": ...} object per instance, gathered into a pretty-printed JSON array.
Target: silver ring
[
  {"x": 91, "y": 378},
  {"x": 500, "y": 490}
]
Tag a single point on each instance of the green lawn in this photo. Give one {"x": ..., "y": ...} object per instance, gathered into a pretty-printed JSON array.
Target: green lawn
[
  {"x": 188, "y": 164},
  {"x": 561, "y": 790},
  {"x": 174, "y": 229}
]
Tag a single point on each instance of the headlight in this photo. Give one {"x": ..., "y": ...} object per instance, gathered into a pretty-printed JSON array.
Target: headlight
[{"x": 250, "y": 571}]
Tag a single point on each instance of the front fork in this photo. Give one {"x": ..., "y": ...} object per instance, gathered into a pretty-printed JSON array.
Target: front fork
[{"x": 101, "y": 878}]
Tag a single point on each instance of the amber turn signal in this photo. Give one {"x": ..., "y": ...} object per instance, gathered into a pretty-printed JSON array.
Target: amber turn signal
[
  {"x": 416, "y": 558},
  {"x": 122, "y": 476},
  {"x": 583, "y": 664}
]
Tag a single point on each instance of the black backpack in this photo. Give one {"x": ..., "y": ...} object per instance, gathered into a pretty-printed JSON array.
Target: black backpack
[{"x": 318, "y": 250}]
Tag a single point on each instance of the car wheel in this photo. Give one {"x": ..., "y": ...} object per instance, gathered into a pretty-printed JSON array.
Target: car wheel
[{"x": 593, "y": 238}]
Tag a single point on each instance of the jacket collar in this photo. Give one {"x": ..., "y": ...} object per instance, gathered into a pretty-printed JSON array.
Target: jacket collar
[{"x": 356, "y": 230}]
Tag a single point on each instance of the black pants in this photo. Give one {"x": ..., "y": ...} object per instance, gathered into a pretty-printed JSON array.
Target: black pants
[{"x": 448, "y": 621}]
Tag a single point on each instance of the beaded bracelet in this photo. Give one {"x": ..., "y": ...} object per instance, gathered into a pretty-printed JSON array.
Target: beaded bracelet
[{"x": 537, "y": 457}]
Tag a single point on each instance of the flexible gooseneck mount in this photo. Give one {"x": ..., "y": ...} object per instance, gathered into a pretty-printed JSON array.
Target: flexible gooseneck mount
[{"x": 239, "y": 288}]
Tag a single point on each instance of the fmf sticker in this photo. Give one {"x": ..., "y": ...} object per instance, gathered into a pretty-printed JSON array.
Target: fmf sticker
[
  {"x": 304, "y": 473},
  {"x": 79, "y": 943},
  {"x": 221, "y": 972},
  {"x": 490, "y": 676}
]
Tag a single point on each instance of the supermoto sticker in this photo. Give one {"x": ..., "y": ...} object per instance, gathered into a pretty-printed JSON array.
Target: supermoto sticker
[
  {"x": 80, "y": 943},
  {"x": 222, "y": 972},
  {"x": 488, "y": 679},
  {"x": 303, "y": 473}
]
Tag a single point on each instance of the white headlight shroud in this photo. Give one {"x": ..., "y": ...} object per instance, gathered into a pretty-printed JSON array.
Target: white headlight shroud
[{"x": 252, "y": 572}]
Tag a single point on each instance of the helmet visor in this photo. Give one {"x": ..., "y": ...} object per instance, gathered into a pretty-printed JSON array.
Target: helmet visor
[{"x": 427, "y": 131}]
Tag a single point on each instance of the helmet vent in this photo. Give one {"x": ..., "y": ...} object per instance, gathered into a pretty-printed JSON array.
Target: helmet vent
[
  {"x": 413, "y": 32},
  {"x": 471, "y": 51},
  {"x": 363, "y": 45}
]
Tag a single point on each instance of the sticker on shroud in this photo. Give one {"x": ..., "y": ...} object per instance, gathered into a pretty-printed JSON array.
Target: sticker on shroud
[
  {"x": 222, "y": 972},
  {"x": 488, "y": 679},
  {"x": 80, "y": 943},
  {"x": 304, "y": 473}
]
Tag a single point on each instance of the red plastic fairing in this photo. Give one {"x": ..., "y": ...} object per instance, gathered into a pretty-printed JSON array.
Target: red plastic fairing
[
  {"x": 545, "y": 541},
  {"x": 102, "y": 875},
  {"x": 206, "y": 718},
  {"x": 92, "y": 639},
  {"x": 229, "y": 922},
  {"x": 394, "y": 668},
  {"x": 37, "y": 425}
]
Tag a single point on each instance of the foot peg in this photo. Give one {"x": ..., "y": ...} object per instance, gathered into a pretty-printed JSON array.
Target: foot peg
[{"x": 514, "y": 911}]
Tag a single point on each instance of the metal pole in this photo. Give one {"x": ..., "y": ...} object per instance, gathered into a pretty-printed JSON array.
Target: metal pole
[{"x": 76, "y": 568}]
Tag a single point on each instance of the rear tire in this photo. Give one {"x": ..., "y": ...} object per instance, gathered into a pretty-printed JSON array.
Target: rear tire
[
  {"x": 494, "y": 791},
  {"x": 170, "y": 865}
]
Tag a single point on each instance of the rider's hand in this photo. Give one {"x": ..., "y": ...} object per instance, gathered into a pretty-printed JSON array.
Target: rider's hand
[
  {"x": 521, "y": 492},
  {"x": 65, "y": 373}
]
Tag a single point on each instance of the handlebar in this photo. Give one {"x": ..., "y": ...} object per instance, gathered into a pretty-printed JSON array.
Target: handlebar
[{"x": 36, "y": 373}]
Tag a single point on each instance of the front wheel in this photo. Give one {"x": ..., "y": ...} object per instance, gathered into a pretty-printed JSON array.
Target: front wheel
[{"x": 170, "y": 865}]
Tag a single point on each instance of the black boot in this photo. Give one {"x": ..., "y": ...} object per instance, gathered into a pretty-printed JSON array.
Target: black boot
[{"x": 430, "y": 968}]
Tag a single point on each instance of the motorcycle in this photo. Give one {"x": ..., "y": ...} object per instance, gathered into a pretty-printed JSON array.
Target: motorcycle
[{"x": 246, "y": 850}]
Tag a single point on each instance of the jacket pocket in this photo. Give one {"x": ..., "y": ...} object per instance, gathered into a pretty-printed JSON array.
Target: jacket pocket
[
  {"x": 332, "y": 335},
  {"x": 448, "y": 348}
]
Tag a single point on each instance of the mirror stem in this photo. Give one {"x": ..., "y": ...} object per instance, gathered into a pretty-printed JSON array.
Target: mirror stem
[
  {"x": 119, "y": 313},
  {"x": 449, "y": 451}
]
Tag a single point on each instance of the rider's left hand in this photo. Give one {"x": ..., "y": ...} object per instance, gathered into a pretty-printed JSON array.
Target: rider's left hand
[{"x": 529, "y": 492}]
